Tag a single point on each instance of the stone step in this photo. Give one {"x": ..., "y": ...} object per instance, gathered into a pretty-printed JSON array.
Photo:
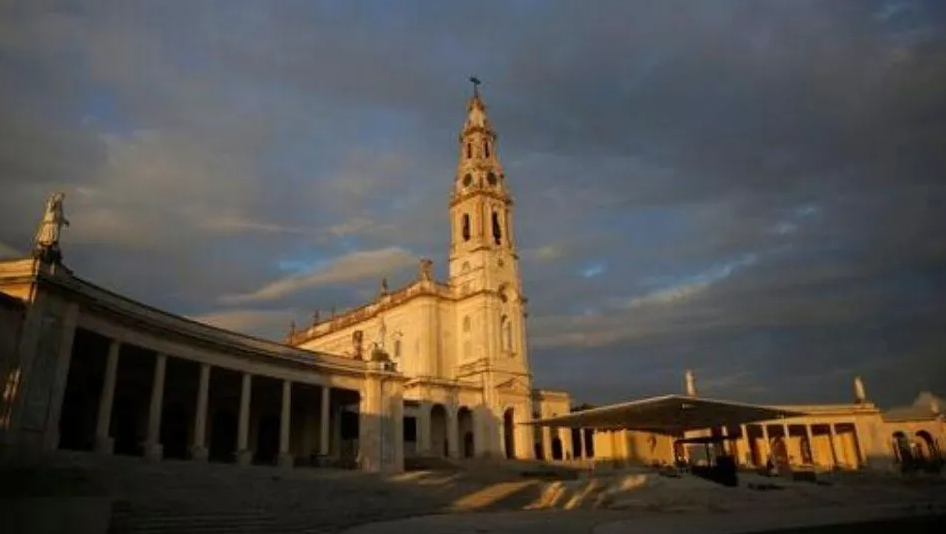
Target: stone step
[{"x": 128, "y": 519}]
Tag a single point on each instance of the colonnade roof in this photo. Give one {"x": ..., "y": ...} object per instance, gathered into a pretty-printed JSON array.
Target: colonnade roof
[
  {"x": 668, "y": 414},
  {"x": 98, "y": 297}
]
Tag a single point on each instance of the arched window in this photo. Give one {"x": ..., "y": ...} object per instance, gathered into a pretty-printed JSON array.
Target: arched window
[
  {"x": 469, "y": 150},
  {"x": 486, "y": 149},
  {"x": 497, "y": 229},
  {"x": 506, "y": 329},
  {"x": 466, "y": 323},
  {"x": 466, "y": 227},
  {"x": 397, "y": 348}
]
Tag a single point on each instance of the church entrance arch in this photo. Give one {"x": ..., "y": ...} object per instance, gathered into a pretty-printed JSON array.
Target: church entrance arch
[
  {"x": 438, "y": 431},
  {"x": 465, "y": 424},
  {"x": 509, "y": 432},
  {"x": 901, "y": 446},
  {"x": 926, "y": 447}
]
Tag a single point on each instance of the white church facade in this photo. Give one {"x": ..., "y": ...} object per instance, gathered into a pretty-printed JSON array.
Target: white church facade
[{"x": 459, "y": 343}]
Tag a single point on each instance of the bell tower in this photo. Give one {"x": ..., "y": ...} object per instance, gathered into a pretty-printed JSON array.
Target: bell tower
[
  {"x": 484, "y": 266},
  {"x": 480, "y": 206}
]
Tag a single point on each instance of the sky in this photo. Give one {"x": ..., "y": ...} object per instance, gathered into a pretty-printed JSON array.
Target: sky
[{"x": 752, "y": 190}]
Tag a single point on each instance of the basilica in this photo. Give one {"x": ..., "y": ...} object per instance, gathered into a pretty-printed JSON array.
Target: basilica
[
  {"x": 462, "y": 342},
  {"x": 434, "y": 369}
]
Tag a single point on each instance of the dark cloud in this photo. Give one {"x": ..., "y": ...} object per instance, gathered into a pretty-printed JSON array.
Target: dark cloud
[{"x": 750, "y": 189}]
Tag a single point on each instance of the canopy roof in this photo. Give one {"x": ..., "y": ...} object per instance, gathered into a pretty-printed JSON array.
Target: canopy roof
[{"x": 668, "y": 414}]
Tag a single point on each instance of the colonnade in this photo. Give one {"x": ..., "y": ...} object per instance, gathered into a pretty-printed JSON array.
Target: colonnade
[
  {"x": 199, "y": 448},
  {"x": 828, "y": 444}
]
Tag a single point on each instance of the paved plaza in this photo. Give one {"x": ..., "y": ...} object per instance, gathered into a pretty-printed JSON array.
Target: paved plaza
[{"x": 184, "y": 497}]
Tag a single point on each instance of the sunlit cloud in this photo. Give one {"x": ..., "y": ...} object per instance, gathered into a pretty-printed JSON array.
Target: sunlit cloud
[
  {"x": 593, "y": 269},
  {"x": 693, "y": 285},
  {"x": 353, "y": 267},
  {"x": 249, "y": 321}
]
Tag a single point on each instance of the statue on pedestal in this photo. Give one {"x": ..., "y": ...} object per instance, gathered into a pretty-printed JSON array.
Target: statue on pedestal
[
  {"x": 690, "y": 383},
  {"x": 859, "y": 393},
  {"x": 426, "y": 269},
  {"x": 357, "y": 344},
  {"x": 382, "y": 333},
  {"x": 384, "y": 287},
  {"x": 46, "y": 243},
  {"x": 292, "y": 331}
]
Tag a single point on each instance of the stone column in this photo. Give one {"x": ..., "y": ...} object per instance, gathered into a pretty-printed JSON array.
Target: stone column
[
  {"x": 199, "y": 447},
  {"x": 583, "y": 439},
  {"x": 565, "y": 436},
  {"x": 811, "y": 443},
  {"x": 423, "y": 429},
  {"x": 786, "y": 442},
  {"x": 724, "y": 448},
  {"x": 324, "y": 415},
  {"x": 51, "y": 432},
  {"x": 832, "y": 438},
  {"x": 746, "y": 446},
  {"x": 546, "y": 444},
  {"x": 243, "y": 454},
  {"x": 285, "y": 424},
  {"x": 103, "y": 441},
  {"x": 453, "y": 431},
  {"x": 153, "y": 448},
  {"x": 767, "y": 449},
  {"x": 381, "y": 426},
  {"x": 525, "y": 439}
]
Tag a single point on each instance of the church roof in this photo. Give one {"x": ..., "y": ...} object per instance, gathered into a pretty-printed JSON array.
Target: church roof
[
  {"x": 669, "y": 414},
  {"x": 926, "y": 406}
]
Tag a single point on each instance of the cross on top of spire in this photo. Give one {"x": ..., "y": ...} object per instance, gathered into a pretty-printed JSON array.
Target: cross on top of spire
[{"x": 476, "y": 85}]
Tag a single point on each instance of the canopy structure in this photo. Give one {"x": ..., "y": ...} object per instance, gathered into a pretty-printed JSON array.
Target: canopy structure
[{"x": 668, "y": 414}]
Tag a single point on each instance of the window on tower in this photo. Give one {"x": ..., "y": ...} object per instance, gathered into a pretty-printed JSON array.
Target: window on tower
[
  {"x": 497, "y": 229},
  {"x": 486, "y": 149},
  {"x": 469, "y": 150},
  {"x": 466, "y": 226},
  {"x": 506, "y": 329}
]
